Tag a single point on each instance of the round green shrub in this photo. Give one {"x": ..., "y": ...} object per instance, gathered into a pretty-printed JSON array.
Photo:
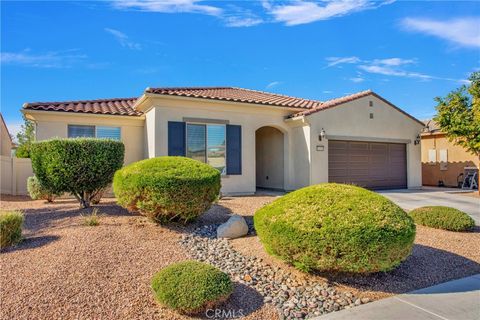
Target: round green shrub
[
  {"x": 79, "y": 166},
  {"x": 191, "y": 286},
  {"x": 336, "y": 227},
  {"x": 10, "y": 228},
  {"x": 167, "y": 188},
  {"x": 445, "y": 218},
  {"x": 37, "y": 191}
]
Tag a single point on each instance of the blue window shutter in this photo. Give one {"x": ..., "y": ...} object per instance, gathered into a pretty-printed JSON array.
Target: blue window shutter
[
  {"x": 234, "y": 149},
  {"x": 176, "y": 138}
]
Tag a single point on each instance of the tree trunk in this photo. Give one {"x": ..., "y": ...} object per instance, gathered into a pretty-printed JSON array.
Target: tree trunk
[
  {"x": 82, "y": 199},
  {"x": 85, "y": 203}
]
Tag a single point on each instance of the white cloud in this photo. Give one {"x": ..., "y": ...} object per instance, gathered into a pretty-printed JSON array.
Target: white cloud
[
  {"x": 232, "y": 15},
  {"x": 272, "y": 84},
  {"x": 397, "y": 67},
  {"x": 123, "y": 39},
  {"x": 242, "y": 21},
  {"x": 393, "y": 61},
  {"x": 333, "y": 61},
  {"x": 301, "y": 12},
  {"x": 168, "y": 6},
  {"x": 389, "y": 71},
  {"x": 52, "y": 59},
  {"x": 357, "y": 79},
  {"x": 461, "y": 31}
]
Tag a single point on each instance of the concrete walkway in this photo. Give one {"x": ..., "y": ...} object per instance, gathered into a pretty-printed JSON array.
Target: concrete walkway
[
  {"x": 430, "y": 196},
  {"x": 453, "y": 300}
]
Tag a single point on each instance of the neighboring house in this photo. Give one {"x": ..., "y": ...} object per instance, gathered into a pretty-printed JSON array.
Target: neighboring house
[
  {"x": 6, "y": 143},
  {"x": 443, "y": 162},
  {"x": 256, "y": 139}
]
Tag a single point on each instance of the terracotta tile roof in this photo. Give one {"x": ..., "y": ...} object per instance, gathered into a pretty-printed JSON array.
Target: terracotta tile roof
[
  {"x": 238, "y": 95},
  {"x": 115, "y": 106},
  {"x": 334, "y": 102}
]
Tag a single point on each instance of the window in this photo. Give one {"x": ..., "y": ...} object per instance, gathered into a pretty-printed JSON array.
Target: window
[
  {"x": 216, "y": 147},
  {"x": 81, "y": 131},
  {"x": 432, "y": 155},
  {"x": 108, "y": 133},
  {"x": 75, "y": 131},
  {"x": 196, "y": 142},
  {"x": 206, "y": 143},
  {"x": 443, "y": 159}
]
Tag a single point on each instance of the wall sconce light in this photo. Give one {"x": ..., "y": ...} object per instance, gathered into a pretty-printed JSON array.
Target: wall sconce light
[
  {"x": 417, "y": 140},
  {"x": 321, "y": 136}
]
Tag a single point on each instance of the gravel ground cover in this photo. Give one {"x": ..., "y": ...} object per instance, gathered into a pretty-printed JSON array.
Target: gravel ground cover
[
  {"x": 294, "y": 297},
  {"x": 64, "y": 269}
]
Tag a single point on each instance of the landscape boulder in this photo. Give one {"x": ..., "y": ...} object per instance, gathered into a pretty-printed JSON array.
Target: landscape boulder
[{"x": 235, "y": 227}]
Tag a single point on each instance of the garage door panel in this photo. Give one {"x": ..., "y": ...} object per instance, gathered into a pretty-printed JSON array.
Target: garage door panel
[
  {"x": 368, "y": 164},
  {"x": 358, "y": 172}
]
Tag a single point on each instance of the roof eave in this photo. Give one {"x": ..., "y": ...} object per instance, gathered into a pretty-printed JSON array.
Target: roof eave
[
  {"x": 26, "y": 112},
  {"x": 159, "y": 95},
  {"x": 371, "y": 93}
]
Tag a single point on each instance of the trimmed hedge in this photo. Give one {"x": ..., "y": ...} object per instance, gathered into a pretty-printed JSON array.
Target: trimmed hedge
[
  {"x": 336, "y": 227},
  {"x": 81, "y": 166},
  {"x": 10, "y": 228},
  {"x": 37, "y": 191},
  {"x": 445, "y": 218},
  {"x": 167, "y": 188},
  {"x": 191, "y": 287}
]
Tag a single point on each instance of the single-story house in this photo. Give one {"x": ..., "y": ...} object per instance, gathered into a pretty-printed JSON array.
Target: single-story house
[
  {"x": 256, "y": 139},
  {"x": 443, "y": 162}
]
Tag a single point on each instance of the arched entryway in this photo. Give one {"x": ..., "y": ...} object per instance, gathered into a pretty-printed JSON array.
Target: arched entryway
[{"x": 269, "y": 158}]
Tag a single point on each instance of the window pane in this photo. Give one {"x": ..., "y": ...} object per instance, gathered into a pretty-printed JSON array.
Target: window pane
[
  {"x": 196, "y": 142},
  {"x": 108, "y": 133},
  {"x": 76, "y": 131},
  {"x": 216, "y": 147}
]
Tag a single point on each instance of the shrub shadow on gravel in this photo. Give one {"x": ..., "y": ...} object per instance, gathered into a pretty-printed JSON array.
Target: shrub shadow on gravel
[
  {"x": 243, "y": 301},
  {"x": 31, "y": 243},
  {"x": 10, "y": 198},
  {"x": 46, "y": 216},
  {"x": 215, "y": 215},
  {"x": 425, "y": 267}
]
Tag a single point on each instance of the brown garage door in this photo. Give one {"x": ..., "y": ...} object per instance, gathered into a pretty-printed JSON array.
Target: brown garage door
[{"x": 373, "y": 165}]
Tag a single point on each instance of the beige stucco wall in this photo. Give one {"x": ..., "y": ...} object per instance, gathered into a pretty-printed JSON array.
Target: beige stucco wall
[
  {"x": 457, "y": 159},
  {"x": 269, "y": 151},
  {"x": 250, "y": 117},
  {"x": 55, "y": 124},
  {"x": 352, "y": 121},
  {"x": 5, "y": 141},
  {"x": 299, "y": 145}
]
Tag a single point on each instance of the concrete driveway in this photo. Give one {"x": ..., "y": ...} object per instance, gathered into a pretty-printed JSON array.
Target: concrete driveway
[
  {"x": 430, "y": 196},
  {"x": 453, "y": 300}
]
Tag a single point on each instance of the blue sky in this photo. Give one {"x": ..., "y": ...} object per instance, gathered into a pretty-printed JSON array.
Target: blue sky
[{"x": 407, "y": 51}]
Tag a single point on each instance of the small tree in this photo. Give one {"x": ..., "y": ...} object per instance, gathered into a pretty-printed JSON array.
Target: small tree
[
  {"x": 82, "y": 166},
  {"x": 458, "y": 115},
  {"x": 25, "y": 138}
]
